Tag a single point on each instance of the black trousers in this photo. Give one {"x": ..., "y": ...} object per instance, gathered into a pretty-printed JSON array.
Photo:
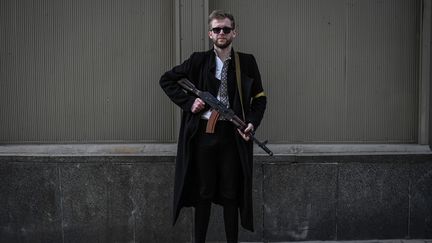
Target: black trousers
[
  {"x": 217, "y": 173},
  {"x": 217, "y": 164}
]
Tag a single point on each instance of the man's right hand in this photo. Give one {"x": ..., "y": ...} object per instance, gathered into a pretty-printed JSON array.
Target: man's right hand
[{"x": 198, "y": 105}]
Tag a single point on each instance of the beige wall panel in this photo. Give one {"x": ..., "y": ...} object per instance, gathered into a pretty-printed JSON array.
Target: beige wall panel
[
  {"x": 382, "y": 70},
  {"x": 85, "y": 70},
  {"x": 193, "y": 26},
  {"x": 335, "y": 70}
]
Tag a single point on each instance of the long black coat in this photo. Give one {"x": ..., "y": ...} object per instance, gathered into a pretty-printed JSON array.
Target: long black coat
[{"x": 200, "y": 70}]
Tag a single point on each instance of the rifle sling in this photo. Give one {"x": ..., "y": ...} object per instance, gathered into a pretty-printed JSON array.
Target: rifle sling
[{"x": 238, "y": 77}]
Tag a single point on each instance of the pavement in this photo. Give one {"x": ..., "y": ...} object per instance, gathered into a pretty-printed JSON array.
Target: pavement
[{"x": 354, "y": 241}]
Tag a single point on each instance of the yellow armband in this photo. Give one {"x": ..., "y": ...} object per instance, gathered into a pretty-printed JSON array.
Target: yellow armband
[{"x": 259, "y": 95}]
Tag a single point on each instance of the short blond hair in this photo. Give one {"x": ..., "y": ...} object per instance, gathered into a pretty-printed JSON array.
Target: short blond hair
[{"x": 220, "y": 14}]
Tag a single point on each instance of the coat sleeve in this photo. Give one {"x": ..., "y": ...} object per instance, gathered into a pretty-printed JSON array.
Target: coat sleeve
[
  {"x": 258, "y": 102},
  {"x": 168, "y": 83}
]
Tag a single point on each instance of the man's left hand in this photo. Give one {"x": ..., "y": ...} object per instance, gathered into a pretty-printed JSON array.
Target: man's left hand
[{"x": 245, "y": 135}]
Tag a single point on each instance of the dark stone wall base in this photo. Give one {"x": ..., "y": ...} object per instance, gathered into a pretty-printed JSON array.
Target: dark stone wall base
[{"x": 296, "y": 198}]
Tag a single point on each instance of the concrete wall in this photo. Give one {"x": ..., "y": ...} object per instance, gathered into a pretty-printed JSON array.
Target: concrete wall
[{"x": 128, "y": 199}]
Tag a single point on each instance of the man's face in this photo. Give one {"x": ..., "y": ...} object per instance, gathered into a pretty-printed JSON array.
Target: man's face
[{"x": 218, "y": 32}]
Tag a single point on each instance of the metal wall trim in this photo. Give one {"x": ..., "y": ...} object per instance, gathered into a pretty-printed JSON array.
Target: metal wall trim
[{"x": 424, "y": 72}]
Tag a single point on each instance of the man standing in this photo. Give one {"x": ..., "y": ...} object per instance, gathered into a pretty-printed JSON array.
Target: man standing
[{"x": 215, "y": 165}]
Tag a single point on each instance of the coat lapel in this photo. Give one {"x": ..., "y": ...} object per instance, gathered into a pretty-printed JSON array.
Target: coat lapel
[{"x": 212, "y": 83}]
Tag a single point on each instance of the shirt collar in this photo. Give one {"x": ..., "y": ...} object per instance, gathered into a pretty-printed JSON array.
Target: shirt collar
[{"x": 218, "y": 58}]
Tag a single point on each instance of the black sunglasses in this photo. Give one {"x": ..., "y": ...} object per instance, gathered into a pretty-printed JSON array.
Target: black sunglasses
[{"x": 226, "y": 30}]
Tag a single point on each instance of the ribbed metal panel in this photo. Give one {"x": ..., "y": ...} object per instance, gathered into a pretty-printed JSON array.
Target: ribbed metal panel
[
  {"x": 335, "y": 70},
  {"x": 85, "y": 70},
  {"x": 382, "y": 70},
  {"x": 192, "y": 27}
]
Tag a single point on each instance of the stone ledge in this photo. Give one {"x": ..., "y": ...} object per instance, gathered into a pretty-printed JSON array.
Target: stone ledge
[
  {"x": 169, "y": 149},
  {"x": 345, "y": 149},
  {"x": 61, "y": 150}
]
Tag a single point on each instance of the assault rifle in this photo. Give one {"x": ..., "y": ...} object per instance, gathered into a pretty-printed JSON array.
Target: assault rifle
[{"x": 223, "y": 111}]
